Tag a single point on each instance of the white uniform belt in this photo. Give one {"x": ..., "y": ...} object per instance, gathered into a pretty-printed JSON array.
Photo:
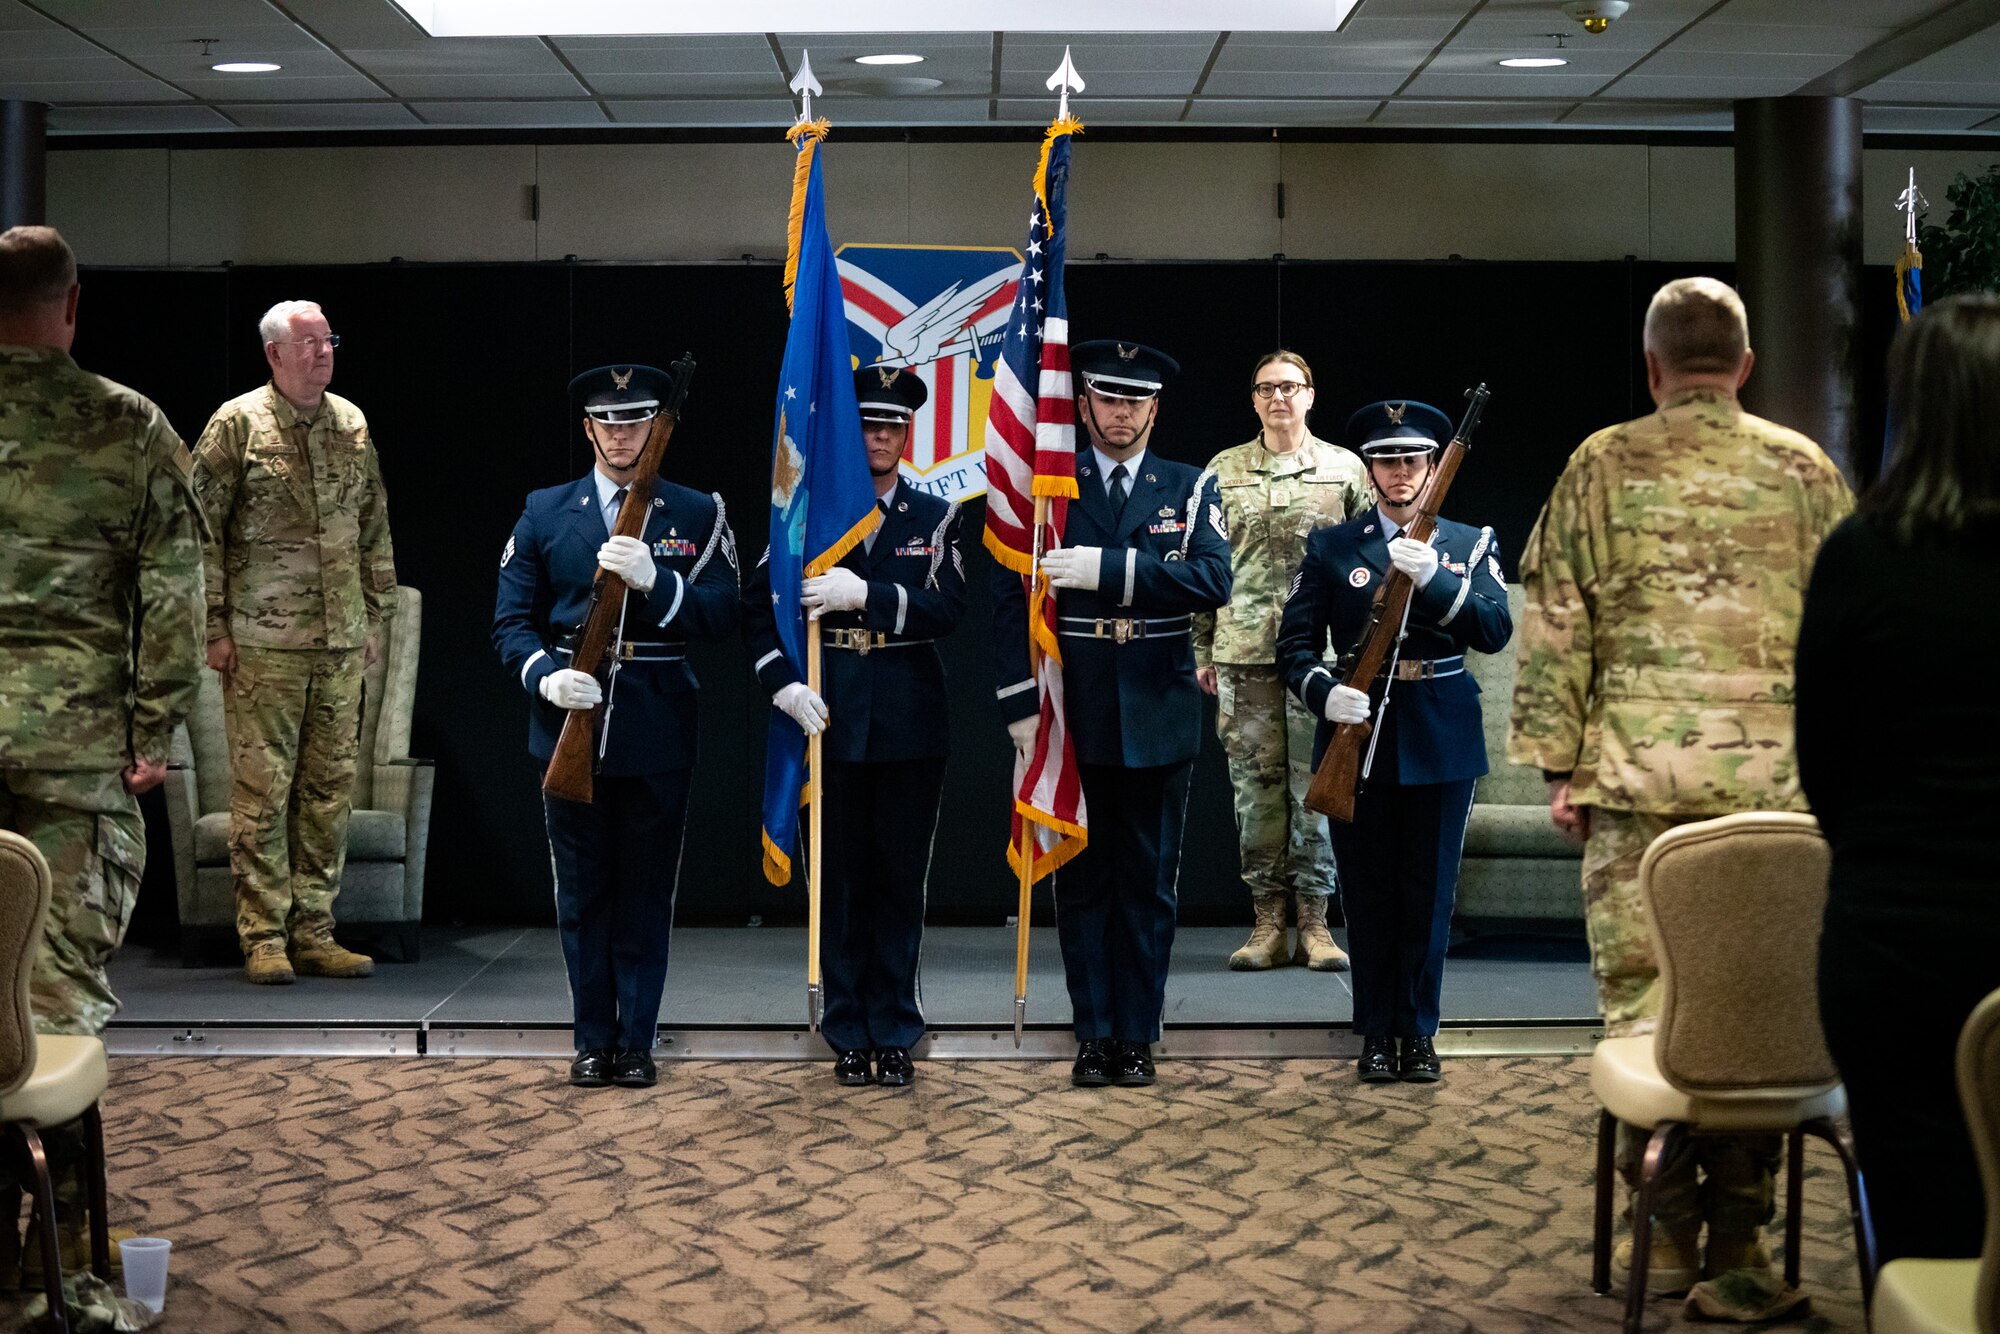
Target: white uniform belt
[
  {"x": 865, "y": 642},
  {"x": 1121, "y": 629}
]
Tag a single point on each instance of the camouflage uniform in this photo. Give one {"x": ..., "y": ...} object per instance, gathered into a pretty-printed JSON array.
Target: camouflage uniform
[
  {"x": 97, "y": 525},
  {"x": 300, "y": 574},
  {"x": 1271, "y": 503},
  {"x": 1664, "y": 583}
]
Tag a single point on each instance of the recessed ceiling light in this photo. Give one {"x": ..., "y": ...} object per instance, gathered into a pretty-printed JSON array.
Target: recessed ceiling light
[
  {"x": 245, "y": 67},
  {"x": 888, "y": 60},
  {"x": 1533, "y": 62}
]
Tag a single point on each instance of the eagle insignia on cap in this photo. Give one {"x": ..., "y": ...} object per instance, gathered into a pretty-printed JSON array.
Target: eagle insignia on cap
[
  {"x": 1127, "y": 354},
  {"x": 888, "y": 374},
  {"x": 621, "y": 381},
  {"x": 1396, "y": 411}
]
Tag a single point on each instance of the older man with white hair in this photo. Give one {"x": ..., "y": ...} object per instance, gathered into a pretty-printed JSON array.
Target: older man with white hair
[{"x": 300, "y": 577}]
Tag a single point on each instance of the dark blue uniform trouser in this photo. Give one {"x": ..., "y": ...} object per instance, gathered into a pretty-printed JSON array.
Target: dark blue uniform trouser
[
  {"x": 1115, "y": 902},
  {"x": 617, "y": 864},
  {"x": 1398, "y": 873},
  {"x": 879, "y": 823}
]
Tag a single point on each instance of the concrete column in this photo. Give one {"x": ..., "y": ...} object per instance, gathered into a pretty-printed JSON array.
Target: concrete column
[
  {"x": 24, "y": 190},
  {"x": 1798, "y": 261}
]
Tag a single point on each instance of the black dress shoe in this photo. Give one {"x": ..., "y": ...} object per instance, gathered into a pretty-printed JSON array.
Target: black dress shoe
[
  {"x": 1133, "y": 1068},
  {"x": 893, "y": 1067},
  {"x": 634, "y": 1070},
  {"x": 851, "y": 1068},
  {"x": 1093, "y": 1064},
  {"x": 592, "y": 1069},
  {"x": 1378, "y": 1061},
  {"x": 1419, "y": 1064}
]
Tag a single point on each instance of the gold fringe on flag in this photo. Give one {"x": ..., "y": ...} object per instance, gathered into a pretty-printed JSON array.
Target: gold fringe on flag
[{"x": 806, "y": 135}]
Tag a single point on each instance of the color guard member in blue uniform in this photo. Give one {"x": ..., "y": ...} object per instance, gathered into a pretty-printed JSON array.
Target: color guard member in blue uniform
[
  {"x": 1399, "y": 858},
  {"x": 882, "y": 611},
  {"x": 617, "y": 859},
  {"x": 1145, "y": 547}
]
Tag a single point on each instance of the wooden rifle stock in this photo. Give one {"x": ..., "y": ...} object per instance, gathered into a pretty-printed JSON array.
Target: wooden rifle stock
[
  {"x": 571, "y": 768},
  {"x": 1337, "y": 780}
]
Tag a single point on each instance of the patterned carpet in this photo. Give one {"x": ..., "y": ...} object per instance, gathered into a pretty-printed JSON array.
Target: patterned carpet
[{"x": 1248, "y": 1195}]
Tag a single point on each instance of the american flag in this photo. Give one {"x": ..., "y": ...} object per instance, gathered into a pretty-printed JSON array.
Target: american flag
[{"x": 1030, "y": 452}]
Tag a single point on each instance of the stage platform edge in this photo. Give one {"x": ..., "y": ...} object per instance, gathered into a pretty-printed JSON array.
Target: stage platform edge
[{"x": 748, "y": 1043}]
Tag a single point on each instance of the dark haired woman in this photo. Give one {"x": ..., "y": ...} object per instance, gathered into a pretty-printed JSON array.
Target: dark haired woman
[
  {"x": 1277, "y": 490},
  {"x": 1899, "y": 751}
]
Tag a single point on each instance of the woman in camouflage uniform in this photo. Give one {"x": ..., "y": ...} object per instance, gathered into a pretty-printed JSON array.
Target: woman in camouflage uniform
[{"x": 1277, "y": 489}]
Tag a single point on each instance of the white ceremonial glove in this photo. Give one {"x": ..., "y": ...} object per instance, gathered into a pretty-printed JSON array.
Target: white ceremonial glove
[
  {"x": 1345, "y": 704},
  {"x": 1024, "y": 734},
  {"x": 1419, "y": 560},
  {"x": 630, "y": 560},
  {"x": 836, "y": 590},
  {"x": 805, "y": 708},
  {"x": 1074, "y": 567},
  {"x": 567, "y": 688}
]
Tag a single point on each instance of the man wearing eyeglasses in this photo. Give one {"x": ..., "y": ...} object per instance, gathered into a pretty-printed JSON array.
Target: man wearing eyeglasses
[
  {"x": 1276, "y": 490},
  {"x": 300, "y": 578}
]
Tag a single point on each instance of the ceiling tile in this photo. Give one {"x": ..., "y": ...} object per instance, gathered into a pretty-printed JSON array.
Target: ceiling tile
[
  {"x": 742, "y": 83},
  {"x": 510, "y": 114},
  {"x": 669, "y": 55},
  {"x": 282, "y": 87},
  {"x": 901, "y": 110},
  {"x": 1908, "y": 90},
  {"x": 496, "y": 86},
  {"x": 1493, "y": 82},
  {"x": 324, "y": 116},
  {"x": 1284, "y": 86},
  {"x": 1777, "y": 39},
  {"x": 1710, "y": 87},
  {"x": 1786, "y": 71},
  {"x": 135, "y": 120},
  {"x": 461, "y": 56},
  {"x": 1177, "y": 81},
  {"x": 1620, "y": 114}
]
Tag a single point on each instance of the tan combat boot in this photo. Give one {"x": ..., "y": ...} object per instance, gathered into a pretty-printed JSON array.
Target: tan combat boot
[
  {"x": 267, "y": 964},
  {"x": 1266, "y": 946},
  {"x": 1673, "y": 1263},
  {"x": 316, "y": 955},
  {"x": 1317, "y": 948}
]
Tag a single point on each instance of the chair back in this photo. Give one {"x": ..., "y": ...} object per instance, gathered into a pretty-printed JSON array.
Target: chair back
[
  {"x": 1736, "y": 905},
  {"x": 1979, "y": 1093},
  {"x": 24, "y": 901},
  {"x": 202, "y": 744}
]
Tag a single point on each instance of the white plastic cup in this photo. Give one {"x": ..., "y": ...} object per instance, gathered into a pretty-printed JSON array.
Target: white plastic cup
[{"x": 145, "y": 1261}]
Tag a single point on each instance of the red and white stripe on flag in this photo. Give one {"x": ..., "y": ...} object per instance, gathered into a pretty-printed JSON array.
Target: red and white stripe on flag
[{"x": 1031, "y": 453}]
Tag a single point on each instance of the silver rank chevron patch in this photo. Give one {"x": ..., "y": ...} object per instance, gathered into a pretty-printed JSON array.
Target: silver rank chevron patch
[
  {"x": 1217, "y": 522},
  {"x": 507, "y": 554}
]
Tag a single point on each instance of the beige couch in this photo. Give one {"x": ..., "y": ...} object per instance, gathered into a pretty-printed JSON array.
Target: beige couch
[
  {"x": 1516, "y": 865},
  {"x": 382, "y": 888}
]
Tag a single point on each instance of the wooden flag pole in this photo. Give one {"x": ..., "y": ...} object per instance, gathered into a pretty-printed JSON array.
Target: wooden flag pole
[
  {"x": 1027, "y": 848},
  {"x": 815, "y": 791}
]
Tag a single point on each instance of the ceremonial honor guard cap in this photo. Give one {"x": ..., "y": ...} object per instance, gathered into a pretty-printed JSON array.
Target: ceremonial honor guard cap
[
  {"x": 889, "y": 393},
  {"x": 619, "y": 394},
  {"x": 1122, "y": 370},
  {"x": 1397, "y": 430}
]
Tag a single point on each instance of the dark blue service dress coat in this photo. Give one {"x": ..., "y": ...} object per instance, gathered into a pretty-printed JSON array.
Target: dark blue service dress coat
[
  {"x": 1135, "y": 718},
  {"x": 887, "y": 731},
  {"x": 1399, "y": 858},
  {"x": 617, "y": 859}
]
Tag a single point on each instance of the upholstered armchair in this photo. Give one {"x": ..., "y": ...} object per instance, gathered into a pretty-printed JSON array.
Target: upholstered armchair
[
  {"x": 382, "y": 889},
  {"x": 1516, "y": 864}
]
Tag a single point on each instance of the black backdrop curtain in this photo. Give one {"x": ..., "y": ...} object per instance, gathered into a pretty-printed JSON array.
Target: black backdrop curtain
[{"x": 461, "y": 370}]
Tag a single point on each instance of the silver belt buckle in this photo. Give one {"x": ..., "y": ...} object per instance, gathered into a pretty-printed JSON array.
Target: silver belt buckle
[{"x": 1121, "y": 629}]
